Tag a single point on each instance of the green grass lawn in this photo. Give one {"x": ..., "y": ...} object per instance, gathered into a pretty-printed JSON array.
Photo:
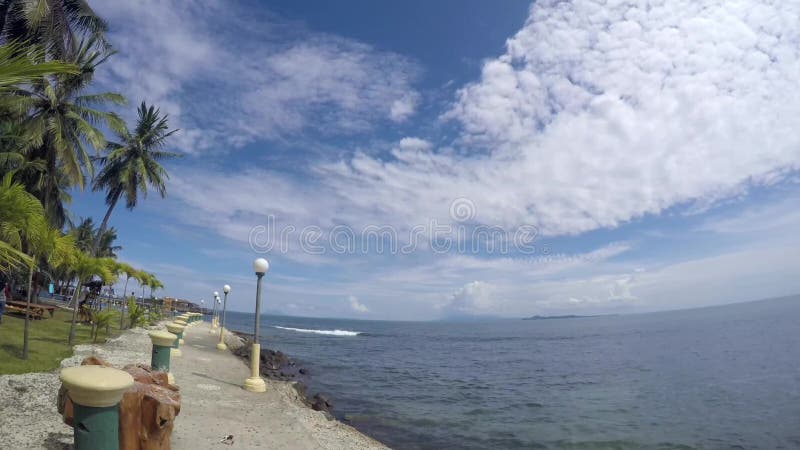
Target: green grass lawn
[{"x": 48, "y": 341}]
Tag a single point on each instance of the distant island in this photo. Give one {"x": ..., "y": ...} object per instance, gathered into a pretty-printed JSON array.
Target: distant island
[{"x": 569, "y": 316}]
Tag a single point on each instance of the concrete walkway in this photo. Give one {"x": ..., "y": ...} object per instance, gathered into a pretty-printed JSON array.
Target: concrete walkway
[{"x": 213, "y": 405}]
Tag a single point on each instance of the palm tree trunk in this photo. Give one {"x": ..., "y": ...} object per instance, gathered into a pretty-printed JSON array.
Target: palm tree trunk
[
  {"x": 104, "y": 223},
  {"x": 124, "y": 301},
  {"x": 27, "y": 316},
  {"x": 74, "y": 311}
]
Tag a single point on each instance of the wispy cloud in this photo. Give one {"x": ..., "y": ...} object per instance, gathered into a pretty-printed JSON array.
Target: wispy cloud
[
  {"x": 231, "y": 76},
  {"x": 596, "y": 115}
]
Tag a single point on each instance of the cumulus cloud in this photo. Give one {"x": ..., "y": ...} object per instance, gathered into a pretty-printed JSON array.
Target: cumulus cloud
[
  {"x": 474, "y": 298},
  {"x": 597, "y": 114},
  {"x": 600, "y": 113},
  {"x": 356, "y": 305},
  {"x": 255, "y": 77}
]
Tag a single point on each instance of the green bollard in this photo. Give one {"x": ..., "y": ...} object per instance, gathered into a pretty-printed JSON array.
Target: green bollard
[
  {"x": 162, "y": 347},
  {"x": 185, "y": 326},
  {"x": 177, "y": 330},
  {"x": 95, "y": 392}
]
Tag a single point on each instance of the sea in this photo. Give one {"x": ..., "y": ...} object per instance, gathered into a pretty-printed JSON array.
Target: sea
[{"x": 723, "y": 377}]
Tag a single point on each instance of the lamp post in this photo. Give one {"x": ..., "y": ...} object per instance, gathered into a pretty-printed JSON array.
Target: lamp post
[
  {"x": 216, "y": 301},
  {"x": 214, "y": 312},
  {"x": 221, "y": 346},
  {"x": 255, "y": 383}
]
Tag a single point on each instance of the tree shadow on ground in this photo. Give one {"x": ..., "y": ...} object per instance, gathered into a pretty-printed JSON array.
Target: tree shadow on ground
[
  {"x": 12, "y": 349},
  {"x": 59, "y": 441}
]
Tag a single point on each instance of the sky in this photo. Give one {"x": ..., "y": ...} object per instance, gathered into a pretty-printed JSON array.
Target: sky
[{"x": 421, "y": 160}]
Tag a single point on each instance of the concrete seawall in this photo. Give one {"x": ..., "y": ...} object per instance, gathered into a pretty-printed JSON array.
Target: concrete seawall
[{"x": 213, "y": 403}]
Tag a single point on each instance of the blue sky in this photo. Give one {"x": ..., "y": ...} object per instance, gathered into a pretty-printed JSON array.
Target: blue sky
[{"x": 628, "y": 156}]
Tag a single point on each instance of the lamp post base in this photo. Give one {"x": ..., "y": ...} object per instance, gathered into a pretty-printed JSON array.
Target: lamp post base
[
  {"x": 255, "y": 384},
  {"x": 222, "y": 346}
]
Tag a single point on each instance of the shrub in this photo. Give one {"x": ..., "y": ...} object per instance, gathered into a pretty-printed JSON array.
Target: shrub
[
  {"x": 135, "y": 314},
  {"x": 100, "y": 319}
]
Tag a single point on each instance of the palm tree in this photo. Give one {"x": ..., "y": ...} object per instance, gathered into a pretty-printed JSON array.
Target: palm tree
[
  {"x": 86, "y": 234},
  {"x": 86, "y": 267},
  {"x": 51, "y": 23},
  {"x": 18, "y": 209},
  {"x": 133, "y": 165},
  {"x": 106, "y": 247},
  {"x": 61, "y": 120},
  {"x": 129, "y": 272},
  {"x": 144, "y": 279},
  {"x": 154, "y": 284},
  {"x": 83, "y": 233},
  {"x": 43, "y": 241},
  {"x": 21, "y": 64}
]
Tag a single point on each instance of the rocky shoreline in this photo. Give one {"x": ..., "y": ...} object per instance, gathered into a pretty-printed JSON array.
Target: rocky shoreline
[{"x": 276, "y": 365}]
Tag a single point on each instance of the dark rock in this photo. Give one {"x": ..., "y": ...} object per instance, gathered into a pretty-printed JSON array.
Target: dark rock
[
  {"x": 276, "y": 365},
  {"x": 320, "y": 403}
]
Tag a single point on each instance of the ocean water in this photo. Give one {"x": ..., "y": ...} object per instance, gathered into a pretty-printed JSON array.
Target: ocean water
[{"x": 720, "y": 377}]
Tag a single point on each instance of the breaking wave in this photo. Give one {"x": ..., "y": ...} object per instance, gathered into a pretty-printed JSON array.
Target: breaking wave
[{"x": 326, "y": 332}]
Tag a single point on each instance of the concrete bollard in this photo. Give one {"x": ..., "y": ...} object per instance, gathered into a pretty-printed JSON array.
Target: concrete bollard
[
  {"x": 162, "y": 347},
  {"x": 95, "y": 392},
  {"x": 176, "y": 329}
]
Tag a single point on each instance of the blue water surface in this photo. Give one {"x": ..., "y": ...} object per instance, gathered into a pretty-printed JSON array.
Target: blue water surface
[{"x": 720, "y": 377}]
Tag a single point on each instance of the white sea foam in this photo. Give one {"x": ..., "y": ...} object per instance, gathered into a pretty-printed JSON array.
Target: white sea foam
[{"x": 327, "y": 332}]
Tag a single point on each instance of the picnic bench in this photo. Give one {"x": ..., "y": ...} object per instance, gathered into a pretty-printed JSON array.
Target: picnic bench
[{"x": 37, "y": 311}]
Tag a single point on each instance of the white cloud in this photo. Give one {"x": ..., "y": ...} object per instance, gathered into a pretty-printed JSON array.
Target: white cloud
[
  {"x": 414, "y": 143},
  {"x": 474, "y": 298},
  {"x": 769, "y": 218},
  {"x": 254, "y": 77},
  {"x": 403, "y": 108},
  {"x": 357, "y": 306},
  {"x": 599, "y": 114},
  {"x": 588, "y": 123}
]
